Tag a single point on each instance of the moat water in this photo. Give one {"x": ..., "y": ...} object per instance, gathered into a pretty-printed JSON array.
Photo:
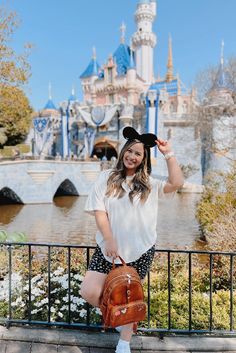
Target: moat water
[{"x": 64, "y": 221}]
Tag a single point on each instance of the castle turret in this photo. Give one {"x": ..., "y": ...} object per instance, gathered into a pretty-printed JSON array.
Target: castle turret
[
  {"x": 89, "y": 76},
  {"x": 153, "y": 6},
  {"x": 169, "y": 73},
  {"x": 50, "y": 105},
  {"x": 144, "y": 40},
  {"x": 218, "y": 135}
]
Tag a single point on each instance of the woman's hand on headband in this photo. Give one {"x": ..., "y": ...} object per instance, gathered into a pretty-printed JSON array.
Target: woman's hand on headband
[
  {"x": 164, "y": 146},
  {"x": 111, "y": 248}
]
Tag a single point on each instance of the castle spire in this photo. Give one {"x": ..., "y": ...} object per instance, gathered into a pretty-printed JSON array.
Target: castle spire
[
  {"x": 49, "y": 91},
  {"x": 94, "y": 56},
  {"x": 92, "y": 68},
  {"x": 50, "y": 104},
  {"x": 123, "y": 30},
  {"x": 169, "y": 74},
  {"x": 222, "y": 77},
  {"x": 222, "y": 53}
]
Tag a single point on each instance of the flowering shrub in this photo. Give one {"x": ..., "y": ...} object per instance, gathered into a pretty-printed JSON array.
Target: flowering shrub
[
  {"x": 62, "y": 291},
  {"x": 61, "y": 308}
]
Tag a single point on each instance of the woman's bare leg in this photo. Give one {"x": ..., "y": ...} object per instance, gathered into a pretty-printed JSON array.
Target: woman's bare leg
[
  {"x": 126, "y": 332},
  {"x": 92, "y": 286}
]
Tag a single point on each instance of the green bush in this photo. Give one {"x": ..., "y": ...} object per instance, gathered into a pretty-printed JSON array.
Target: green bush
[
  {"x": 216, "y": 211},
  {"x": 9, "y": 151}
]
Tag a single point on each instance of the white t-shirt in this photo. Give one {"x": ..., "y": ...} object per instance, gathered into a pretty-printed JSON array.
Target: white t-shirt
[{"x": 134, "y": 224}]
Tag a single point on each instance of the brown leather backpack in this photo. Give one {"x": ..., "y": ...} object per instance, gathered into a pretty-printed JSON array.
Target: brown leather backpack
[{"x": 122, "y": 301}]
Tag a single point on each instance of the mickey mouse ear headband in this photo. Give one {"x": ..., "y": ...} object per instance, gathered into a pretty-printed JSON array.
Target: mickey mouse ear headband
[{"x": 148, "y": 140}]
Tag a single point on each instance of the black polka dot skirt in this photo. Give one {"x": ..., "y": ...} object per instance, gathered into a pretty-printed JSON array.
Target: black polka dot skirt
[{"x": 142, "y": 265}]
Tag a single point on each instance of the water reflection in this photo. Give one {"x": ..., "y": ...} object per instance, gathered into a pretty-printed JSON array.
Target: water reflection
[
  {"x": 9, "y": 212},
  {"x": 64, "y": 221}
]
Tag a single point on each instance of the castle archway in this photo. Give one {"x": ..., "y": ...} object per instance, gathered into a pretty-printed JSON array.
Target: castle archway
[{"x": 104, "y": 147}]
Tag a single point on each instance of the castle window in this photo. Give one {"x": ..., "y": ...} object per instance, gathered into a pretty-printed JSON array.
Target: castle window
[
  {"x": 169, "y": 134},
  {"x": 196, "y": 133},
  {"x": 185, "y": 107},
  {"x": 110, "y": 78},
  {"x": 111, "y": 99},
  {"x": 172, "y": 108}
]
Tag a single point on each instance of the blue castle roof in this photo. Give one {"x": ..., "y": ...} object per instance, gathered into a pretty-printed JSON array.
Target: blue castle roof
[
  {"x": 171, "y": 87},
  {"x": 223, "y": 79},
  {"x": 122, "y": 57},
  {"x": 72, "y": 97},
  {"x": 50, "y": 105},
  {"x": 91, "y": 70}
]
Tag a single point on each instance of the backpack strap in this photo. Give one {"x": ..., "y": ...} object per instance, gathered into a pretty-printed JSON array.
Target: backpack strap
[{"x": 122, "y": 261}]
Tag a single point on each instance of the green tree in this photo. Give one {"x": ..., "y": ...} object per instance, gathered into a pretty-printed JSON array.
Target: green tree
[
  {"x": 15, "y": 114},
  {"x": 216, "y": 211},
  {"x": 15, "y": 110}
]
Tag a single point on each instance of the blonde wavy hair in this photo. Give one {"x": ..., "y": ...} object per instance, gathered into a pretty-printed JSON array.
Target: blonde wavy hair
[{"x": 140, "y": 184}]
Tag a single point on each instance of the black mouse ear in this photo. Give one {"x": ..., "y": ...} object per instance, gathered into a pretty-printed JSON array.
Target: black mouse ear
[
  {"x": 148, "y": 140},
  {"x": 130, "y": 133}
]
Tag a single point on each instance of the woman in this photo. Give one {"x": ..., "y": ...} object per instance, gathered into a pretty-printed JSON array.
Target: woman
[{"x": 125, "y": 204}]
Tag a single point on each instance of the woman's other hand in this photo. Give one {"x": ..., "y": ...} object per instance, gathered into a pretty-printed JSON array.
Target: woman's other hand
[
  {"x": 164, "y": 146},
  {"x": 111, "y": 248}
]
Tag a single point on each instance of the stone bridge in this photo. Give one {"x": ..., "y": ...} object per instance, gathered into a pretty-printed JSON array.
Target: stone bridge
[{"x": 38, "y": 181}]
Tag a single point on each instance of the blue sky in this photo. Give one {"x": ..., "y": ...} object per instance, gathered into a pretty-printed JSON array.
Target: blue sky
[{"x": 63, "y": 33}]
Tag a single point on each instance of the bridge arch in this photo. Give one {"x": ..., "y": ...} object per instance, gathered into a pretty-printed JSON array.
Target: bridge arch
[
  {"x": 8, "y": 196},
  {"x": 66, "y": 188}
]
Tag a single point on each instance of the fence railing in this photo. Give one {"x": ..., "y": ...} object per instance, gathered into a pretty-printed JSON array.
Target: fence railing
[{"x": 186, "y": 291}]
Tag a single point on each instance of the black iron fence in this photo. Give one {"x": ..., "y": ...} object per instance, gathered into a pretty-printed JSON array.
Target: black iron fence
[{"x": 186, "y": 291}]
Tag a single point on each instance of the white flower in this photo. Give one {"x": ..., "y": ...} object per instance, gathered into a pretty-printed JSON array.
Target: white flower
[
  {"x": 78, "y": 301},
  {"x": 52, "y": 309},
  {"x": 55, "y": 290},
  {"x": 60, "y": 314},
  {"x": 58, "y": 271},
  {"x": 42, "y": 302},
  {"x": 35, "y": 311},
  {"x": 36, "y": 278},
  {"x": 83, "y": 312},
  {"x": 79, "y": 277},
  {"x": 37, "y": 291},
  {"x": 73, "y": 307},
  {"x": 64, "y": 284},
  {"x": 98, "y": 311},
  {"x": 64, "y": 307},
  {"x": 41, "y": 283}
]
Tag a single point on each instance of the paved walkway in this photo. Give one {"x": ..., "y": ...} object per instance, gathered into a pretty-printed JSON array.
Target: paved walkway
[{"x": 38, "y": 340}]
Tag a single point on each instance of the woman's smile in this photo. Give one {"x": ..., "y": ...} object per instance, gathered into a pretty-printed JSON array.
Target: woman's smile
[{"x": 133, "y": 157}]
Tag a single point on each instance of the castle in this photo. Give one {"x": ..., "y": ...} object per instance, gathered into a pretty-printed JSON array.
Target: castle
[{"x": 124, "y": 92}]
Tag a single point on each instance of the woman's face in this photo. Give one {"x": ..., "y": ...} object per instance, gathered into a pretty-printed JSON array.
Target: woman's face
[{"x": 133, "y": 157}]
